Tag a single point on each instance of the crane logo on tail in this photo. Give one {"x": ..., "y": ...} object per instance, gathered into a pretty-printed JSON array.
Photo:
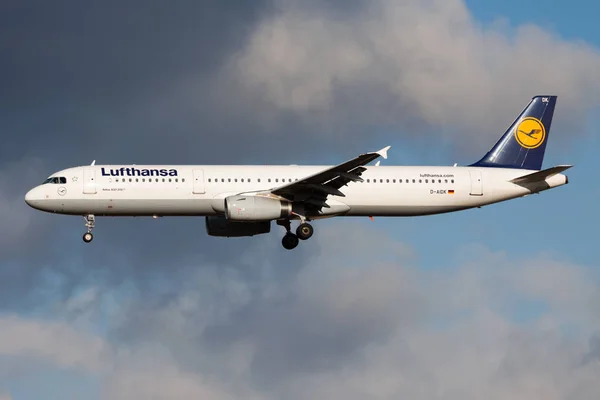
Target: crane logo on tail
[{"x": 530, "y": 133}]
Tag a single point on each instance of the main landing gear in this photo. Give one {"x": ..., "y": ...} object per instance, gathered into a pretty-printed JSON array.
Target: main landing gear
[
  {"x": 90, "y": 221},
  {"x": 303, "y": 232}
]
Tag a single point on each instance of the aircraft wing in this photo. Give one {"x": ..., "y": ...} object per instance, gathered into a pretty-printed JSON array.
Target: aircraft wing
[{"x": 314, "y": 189}]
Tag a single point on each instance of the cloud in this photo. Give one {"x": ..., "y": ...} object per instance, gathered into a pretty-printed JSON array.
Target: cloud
[
  {"x": 349, "y": 325},
  {"x": 52, "y": 343},
  {"x": 423, "y": 68},
  {"x": 150, "y": 373},
  {"x": 352, "y": 315},
  {"x": 249, "y": 77},
  {"x": 14, "y": 213},
  {"x": 70, "y": 83}
]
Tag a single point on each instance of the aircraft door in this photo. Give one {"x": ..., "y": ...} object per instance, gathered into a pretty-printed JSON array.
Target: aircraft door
[
  {"x": 199, "y": 181},
  {"x": 476, "y": 183},
  {"x": 89, "y": 180}
]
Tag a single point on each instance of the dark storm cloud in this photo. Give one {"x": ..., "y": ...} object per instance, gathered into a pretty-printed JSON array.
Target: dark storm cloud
[
  {"x": 153, "y": 82},
  {"x": 150, "y": 82},
  {"x": 106, "y": 81},
  {"x": 77, "y": 78},
  {"x": 124, "y": 83}
]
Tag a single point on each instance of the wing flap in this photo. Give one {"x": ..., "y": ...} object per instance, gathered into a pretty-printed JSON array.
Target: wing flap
[
  {"x": 317, "y": 203},
  {"x": 350, "y": 176},
  {"x": 322, "y": 188}
]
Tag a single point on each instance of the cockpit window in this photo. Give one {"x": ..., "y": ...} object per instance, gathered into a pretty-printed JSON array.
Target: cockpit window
[{"x": 55, "y": 179}]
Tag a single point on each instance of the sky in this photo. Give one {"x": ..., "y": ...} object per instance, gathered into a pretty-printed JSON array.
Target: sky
[{"x": 498, "y": 302}]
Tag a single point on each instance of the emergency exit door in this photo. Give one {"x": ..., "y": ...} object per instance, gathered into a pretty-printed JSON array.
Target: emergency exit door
[
  {"x": 476, "y": 183},
  {"x": 199, "y": 181},
  {"x": 89, "y": 180}
]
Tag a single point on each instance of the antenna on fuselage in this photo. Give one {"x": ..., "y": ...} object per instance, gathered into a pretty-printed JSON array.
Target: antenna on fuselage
[{"x": 93, "y": 162}]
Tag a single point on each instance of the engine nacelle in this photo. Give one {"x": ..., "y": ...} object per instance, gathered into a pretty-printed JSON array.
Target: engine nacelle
[
  {"x": 256, "y": 208},
  {"x": 220, "y": 226}
]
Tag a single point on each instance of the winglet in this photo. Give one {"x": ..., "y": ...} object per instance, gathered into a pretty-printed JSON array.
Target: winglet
[
  {"x": 93, "y": 162},
  {"x": 383, "y": 152}
]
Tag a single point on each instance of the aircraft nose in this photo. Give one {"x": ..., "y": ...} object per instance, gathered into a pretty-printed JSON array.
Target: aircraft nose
[{"x": 31, "y": 197}]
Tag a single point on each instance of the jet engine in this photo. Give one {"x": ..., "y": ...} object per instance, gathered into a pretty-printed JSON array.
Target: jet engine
[
  {"x": 220, "y": 226},
  {"x": 256, "y": 208}
]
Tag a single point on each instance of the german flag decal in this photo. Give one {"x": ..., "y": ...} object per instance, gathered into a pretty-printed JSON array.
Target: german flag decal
[{"x": 450, "y": 191}]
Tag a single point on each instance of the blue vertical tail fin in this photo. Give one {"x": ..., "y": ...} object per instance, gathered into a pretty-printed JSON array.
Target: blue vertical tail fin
[{"x": 524, "y": 143}]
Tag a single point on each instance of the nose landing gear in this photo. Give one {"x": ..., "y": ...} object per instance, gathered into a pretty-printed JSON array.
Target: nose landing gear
[{"x": 90, "y": 221}]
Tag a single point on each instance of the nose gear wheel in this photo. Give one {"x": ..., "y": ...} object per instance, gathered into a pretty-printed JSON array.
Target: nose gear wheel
[{"x": 90, "y": 222}]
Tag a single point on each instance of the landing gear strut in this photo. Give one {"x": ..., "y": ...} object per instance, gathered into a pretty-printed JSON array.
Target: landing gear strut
[
  {"x": 90, "y": 221},
  {"x": 290, "y": 240}
]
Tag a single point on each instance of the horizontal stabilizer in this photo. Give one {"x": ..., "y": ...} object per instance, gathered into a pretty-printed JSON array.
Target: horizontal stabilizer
[{"x": 541, "y": 175}]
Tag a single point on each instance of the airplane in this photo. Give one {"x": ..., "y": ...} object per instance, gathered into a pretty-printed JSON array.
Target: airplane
[{"x": 244, "y": 200}]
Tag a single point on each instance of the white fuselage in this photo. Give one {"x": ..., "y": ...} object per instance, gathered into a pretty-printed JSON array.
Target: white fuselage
[{"x": 199, "y": 190}]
